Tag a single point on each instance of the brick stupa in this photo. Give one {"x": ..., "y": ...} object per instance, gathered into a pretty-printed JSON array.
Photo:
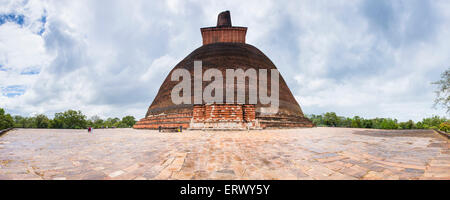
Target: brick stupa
[{"x": 223, "y": 48}]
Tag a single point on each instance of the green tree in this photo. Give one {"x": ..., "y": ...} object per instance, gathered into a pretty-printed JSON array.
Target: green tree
[
  {"x": 344, "y": 122},
  {"x": 6, "y": 121},
  {"x": 407, "y": 125},
  {"x": 41, "y": 121},
  {"x": 24, "y": 122},
  {"x": 376, "y": 123},
  {"x": 443, "y": 91},
  {"x": 316, "y": 119},
  {"x": 388, "y": 123},
  {"x": 445, "y": 126},
  {"x": 56, "y": 122},
  {"x": 331, "y": 119},
  {"x": 432, "y": 122},
  {"x": 356, "y": 122},
  {"x": 128, "y": 121},
  {"x": 111, "y": 122},
  {"x": 19, "y": 121},
  {"x": 96, "y": 122},
  {"x": 69, "y": 119},
  {"x": 366, "y": 123},
  {"x": 121, "y": 125}
]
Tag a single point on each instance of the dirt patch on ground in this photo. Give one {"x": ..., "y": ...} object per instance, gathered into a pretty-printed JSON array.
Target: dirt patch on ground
[{"x": 397, "y": 133}]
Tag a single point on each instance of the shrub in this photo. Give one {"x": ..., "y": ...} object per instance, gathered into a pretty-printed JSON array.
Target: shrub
[{"x": 445, "y": 126}]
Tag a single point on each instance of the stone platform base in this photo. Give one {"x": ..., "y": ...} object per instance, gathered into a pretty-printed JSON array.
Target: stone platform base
[
  {"x": 222, "y": 117},
  {"x": 164, "y": 121},
  {"x": 285, "y": 121}
]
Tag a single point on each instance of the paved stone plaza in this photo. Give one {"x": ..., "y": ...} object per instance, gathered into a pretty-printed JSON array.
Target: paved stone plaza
[{"x": 312, "y": 153}]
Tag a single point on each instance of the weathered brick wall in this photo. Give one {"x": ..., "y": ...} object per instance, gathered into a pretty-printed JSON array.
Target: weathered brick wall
[
  {"x": 215, "y": 115},
  {"x": 224, "y": 34},
  {"x": 249, "y": 113},
  {"x": 198, "y": 114},
  {"x": 165, "y": 121},
  {"x": 224, "y": 116},
  {"x": 221, "y": 116},
  {"x": 284, "y": 121},
  {"x": 224, "y": 113}
]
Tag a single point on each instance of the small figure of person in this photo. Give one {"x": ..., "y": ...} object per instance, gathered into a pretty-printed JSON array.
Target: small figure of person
[{"x": 89, "y": 129}]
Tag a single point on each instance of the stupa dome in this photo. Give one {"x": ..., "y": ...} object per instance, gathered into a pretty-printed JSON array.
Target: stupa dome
[{"x": 223, "y": 48}]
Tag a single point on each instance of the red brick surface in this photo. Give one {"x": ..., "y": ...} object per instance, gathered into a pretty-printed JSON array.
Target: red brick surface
[
  {"x": 225, "y": 34},
  {"x": 220, "y": 113},
  {"x": 249, "y": 114},
  {"x": 164, "y": 120},
  {"x": 223, "y": 113}
]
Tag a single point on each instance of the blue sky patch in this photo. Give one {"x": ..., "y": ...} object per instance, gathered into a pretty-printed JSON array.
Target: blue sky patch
[
  {"x": 30, "y": 71},
  {"x": 13, "y": 90},
  {"x": 18, "y": 19},
  {"x": 44, "y": 21},
  {"x": 3, "y": 68}
]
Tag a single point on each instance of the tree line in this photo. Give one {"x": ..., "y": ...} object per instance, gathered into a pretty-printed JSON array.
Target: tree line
[
  {"x": 70, "y": 119},
  {"x": 330, "y": 119}
]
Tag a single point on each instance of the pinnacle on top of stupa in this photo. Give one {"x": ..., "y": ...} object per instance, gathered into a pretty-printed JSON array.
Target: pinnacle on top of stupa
[{"x": 224, "y": 19}]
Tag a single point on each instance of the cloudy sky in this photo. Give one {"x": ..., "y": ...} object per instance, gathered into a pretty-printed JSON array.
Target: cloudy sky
[{"x": 109, "y": 57}]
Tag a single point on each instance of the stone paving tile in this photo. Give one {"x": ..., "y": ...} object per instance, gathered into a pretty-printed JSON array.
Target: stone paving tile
[
  {"x": 372, "y": 175},
  {"x": 303, "y": 154},
  {"x": 116, "y": 173},
  {"x": 355, "y": 171}
]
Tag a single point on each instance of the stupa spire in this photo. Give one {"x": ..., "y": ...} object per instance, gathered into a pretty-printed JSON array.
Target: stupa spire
[
  {"x": 224, "y": 32},
  {"x": 224, "y": 19}
]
